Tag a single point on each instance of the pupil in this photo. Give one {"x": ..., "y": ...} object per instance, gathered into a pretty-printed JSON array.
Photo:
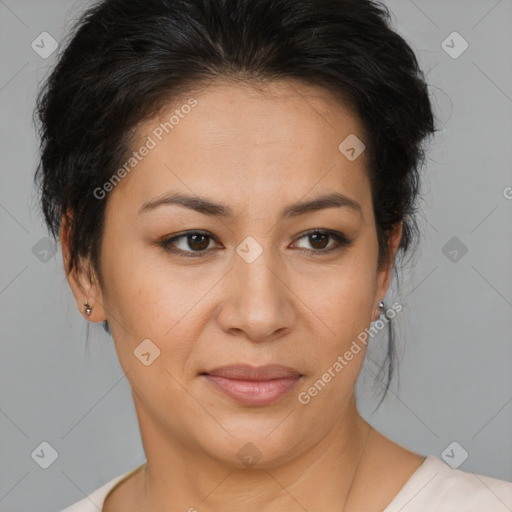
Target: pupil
[
  {"x": 314, "y": 237},
  {"x": 202, "y": 246}
]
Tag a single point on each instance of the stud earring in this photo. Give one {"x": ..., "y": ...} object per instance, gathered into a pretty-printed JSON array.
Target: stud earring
[
  {"x": 380, "y": 310},
  {"x": 88, "y": 309}
]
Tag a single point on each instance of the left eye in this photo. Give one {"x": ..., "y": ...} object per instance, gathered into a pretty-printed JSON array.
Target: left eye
[{"x": 318, "y": 238}]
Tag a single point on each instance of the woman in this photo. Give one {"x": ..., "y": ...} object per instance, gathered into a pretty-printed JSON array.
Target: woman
[{"x": 231, "y": 183}]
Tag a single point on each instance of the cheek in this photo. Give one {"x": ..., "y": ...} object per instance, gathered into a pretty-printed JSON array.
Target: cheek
[
  {"x": 341, "y": 295},
  {"x": 341, "y": 333},
  {"x": 341, "y": 305},
  {"x": 148, "y": 299}
]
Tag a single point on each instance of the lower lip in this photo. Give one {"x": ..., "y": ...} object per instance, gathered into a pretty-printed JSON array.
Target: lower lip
[{"x": 254, "y": 392}]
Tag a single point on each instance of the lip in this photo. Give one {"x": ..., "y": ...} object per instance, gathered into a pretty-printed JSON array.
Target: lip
[{"x": 254, "y": 386}]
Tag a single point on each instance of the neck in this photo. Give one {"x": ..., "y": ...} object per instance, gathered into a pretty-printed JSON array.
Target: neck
[{"x": 179, "y": 476}]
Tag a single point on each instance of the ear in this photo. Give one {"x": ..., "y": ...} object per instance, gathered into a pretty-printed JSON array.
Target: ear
[
  {"x": 82, "y": 280},
  {"x": 384, "y": 274}
]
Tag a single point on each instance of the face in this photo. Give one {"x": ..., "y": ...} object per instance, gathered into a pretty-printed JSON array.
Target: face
[{"x": 235, "y": 272}]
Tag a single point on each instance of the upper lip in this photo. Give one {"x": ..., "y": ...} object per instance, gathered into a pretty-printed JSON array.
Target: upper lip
[{"x": 248, "y": 372}]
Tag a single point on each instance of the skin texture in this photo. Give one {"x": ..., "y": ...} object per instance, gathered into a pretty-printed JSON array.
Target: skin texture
[{"x": 256, "y": 151}]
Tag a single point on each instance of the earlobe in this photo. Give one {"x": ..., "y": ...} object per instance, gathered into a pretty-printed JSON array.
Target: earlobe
[{"x": 82, "y": 280}]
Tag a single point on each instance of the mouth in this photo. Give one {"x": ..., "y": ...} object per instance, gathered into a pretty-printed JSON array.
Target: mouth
[{"x": 253, "y": 386}]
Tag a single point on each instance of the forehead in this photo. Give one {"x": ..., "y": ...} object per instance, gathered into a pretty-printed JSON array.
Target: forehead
[
  {"x": 283, "y": 136},
  {"x": 229, "y": 112}
]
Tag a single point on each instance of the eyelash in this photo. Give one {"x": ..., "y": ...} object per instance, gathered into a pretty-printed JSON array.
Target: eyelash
[{"x": 340, "y": 238}]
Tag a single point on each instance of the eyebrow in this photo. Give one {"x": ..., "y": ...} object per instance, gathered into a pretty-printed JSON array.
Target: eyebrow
[{"x": 208, "y": 207}]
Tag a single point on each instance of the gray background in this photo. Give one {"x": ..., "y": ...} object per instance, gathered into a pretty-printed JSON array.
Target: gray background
[{"x": 456, "y": 350}]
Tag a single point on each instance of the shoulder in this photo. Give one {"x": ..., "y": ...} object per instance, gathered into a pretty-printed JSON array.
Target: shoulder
[
  {"x": 437, "y": 487},
  {"x": 94, "y": 501}
]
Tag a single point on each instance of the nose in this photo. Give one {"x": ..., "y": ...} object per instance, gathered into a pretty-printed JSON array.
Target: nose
[{"x": 257, "y": 300}]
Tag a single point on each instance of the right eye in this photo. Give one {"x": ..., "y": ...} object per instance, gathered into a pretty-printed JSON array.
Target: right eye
[{"x": 198, "y": 241}]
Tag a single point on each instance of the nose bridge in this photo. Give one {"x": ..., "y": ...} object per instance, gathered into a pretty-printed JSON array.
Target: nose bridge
[
  {"x": 256, "y": 271},
  {"x": 259, "y": 304}
]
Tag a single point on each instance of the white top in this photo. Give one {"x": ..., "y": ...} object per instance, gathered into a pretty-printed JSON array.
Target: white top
[{"x": 433, "y": 487}]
